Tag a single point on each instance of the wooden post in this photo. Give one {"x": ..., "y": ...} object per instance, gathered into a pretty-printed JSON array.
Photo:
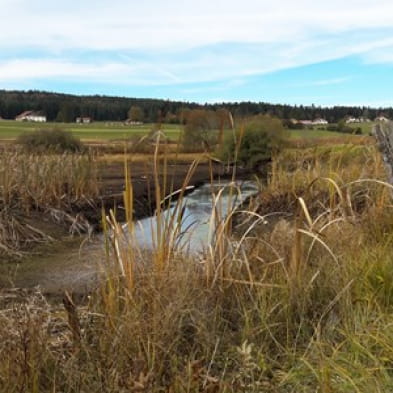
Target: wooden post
[{"x": 384, "y": 135}]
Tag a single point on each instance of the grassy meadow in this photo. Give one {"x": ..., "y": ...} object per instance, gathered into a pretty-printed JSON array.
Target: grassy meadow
[
  {"x": 114, "y": 131},
  {"x": 294, "y": 295},
  {"x": 97, "y": 131}
]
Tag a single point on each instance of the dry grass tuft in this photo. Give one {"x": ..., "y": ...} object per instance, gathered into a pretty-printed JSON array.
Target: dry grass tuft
[{"x": 51, "y": 185}]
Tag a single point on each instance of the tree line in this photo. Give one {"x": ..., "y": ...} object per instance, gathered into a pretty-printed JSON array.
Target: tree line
[{"x": 66, "y": 107}]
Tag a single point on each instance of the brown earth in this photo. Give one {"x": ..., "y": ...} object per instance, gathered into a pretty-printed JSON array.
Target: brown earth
[{"x": 170, "y": 178}]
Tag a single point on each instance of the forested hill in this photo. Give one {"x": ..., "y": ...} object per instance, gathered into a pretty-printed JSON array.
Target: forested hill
[{"x": 66, "y": 107}]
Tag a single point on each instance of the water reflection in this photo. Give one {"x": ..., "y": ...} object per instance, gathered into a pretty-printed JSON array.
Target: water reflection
[{"x": 191, "y": 223}]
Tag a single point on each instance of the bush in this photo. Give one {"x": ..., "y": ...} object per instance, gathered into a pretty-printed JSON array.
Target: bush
[
  {"x": 199, "y": 134},
  {"x": 293, "y": 125},
  {"x": 55, "y": 140},
  {"x": 343, "y": 128},
  {"x": 260, "y": 138},
  {"x": 332, "y": 128}
]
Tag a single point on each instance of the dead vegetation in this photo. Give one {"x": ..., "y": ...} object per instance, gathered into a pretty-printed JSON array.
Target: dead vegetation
[
  {"x": 49, "y": 185},
  {"x": 305, "y": 306}
]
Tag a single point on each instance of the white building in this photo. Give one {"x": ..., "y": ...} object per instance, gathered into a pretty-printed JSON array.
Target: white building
[
  {"x": 31, "y": 116},
  {"x": 381, "y": 118},
  {"x": 130, "y": 122},
  {"x": 352, "y": 120},
  {"x": 319, "y": 121},
  {"x": 306, "y": 122},
  {"x": 83, "y": 120}
]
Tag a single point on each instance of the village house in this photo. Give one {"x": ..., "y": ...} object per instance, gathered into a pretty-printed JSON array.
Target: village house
[
  {"x": 31, "y": 116},
  {"x": 305, "y": 122},
  {"x": 352, "y": 119},
  {"x": 382, "y": 119},
  {"x": 129, "y": 122},
  {"x": 316, "y": 122},
  {"x": 83, "y": 120},
  {"x": 319, "y": 121}
]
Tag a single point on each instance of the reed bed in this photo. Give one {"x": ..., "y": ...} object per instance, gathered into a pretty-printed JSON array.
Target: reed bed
[
  {"x": 51, "y": 185},
  {"x": 301, "y": 304},
  {"x": 38, "y": 181}
]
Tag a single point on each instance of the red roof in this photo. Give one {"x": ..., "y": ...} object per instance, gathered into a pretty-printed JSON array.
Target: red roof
[{"x": 25, "y": 113}]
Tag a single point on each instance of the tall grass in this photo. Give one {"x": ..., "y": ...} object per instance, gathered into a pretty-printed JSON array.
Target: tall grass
[
  {"x": 45, "y": 184},
  {"x": 31, "y": 181},
  {"x": 300, "y": 304}
]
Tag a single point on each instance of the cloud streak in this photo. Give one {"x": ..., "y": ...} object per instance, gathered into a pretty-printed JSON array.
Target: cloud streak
[
  {"x": 158, "y": 43},
  {"x": 159, "y": 25}
]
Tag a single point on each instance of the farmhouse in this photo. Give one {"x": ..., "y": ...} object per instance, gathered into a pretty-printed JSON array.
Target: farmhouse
[
  {"x": 319, "y": 121},
  {"x": 351, "y": 119},
  {"x": 31, "y": 116},
  {"x": 381, "y": 118},
  {"x": 306, "y": 122},
  {"x": 130, "y": 122},
  {"x": 83, "y": 120}
]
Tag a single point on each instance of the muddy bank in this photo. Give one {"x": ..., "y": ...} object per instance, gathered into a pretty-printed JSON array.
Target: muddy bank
[
  {"x": 73, "y": 263},
  {"x": 170, "y": 178}
]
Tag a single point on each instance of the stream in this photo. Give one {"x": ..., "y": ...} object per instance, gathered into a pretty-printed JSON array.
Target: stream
[
  {"x": 74, "y": 264},
  {"x": 196, "y": 229}
]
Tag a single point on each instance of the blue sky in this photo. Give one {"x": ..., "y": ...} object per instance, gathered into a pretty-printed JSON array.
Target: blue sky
[{"x": 296, "y": 52}]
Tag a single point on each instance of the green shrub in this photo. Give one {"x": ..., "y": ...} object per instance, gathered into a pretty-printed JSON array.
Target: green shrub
[
  {"x": 200, "y": 131},
  {"x": 256, "y": 142},
  {"x": 55, "y": 140},
  {"x": 343, "y": 128}
]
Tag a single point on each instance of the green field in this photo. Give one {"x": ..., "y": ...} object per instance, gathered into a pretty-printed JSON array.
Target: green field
[
  {"x": 106, "y": 131},
  {"x": 300, "y": 134},
  {"x": 366, "y": 127},
  {"x": 110, "y": 131}
]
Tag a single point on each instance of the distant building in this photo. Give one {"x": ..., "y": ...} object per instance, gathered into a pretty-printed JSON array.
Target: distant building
[
  {"x": 352, "y": 119},
  {"x": 319, "y": 122},
  {"x": 130, "y": 122},
  {"x": 83, "y": 120},
  {"x": 306, "y": 122},
  {"x": 31, "y": 116},
  {"x": 381, "y": 118}
]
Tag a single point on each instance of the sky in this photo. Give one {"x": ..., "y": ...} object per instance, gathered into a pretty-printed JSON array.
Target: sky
[{"x": 336, "y": 52}]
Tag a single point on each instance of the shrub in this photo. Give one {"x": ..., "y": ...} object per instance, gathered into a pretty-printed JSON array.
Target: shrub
[
  {"x": 55, "y": 140},
  {"x": 199, "y": 134},
  {"x": 256, "y": 142},
  {"x": 293, "y": 125}
]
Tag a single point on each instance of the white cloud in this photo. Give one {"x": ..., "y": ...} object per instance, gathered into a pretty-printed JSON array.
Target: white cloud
[
  {"x": 379, "y": 55},
  {"x": 323, "y": 82},
  {"x": 185, "y": 41},
  {"x": 181, "y": 23}
]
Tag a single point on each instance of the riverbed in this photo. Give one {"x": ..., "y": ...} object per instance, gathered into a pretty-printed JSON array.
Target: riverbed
[{"x": 74, "y": 264}]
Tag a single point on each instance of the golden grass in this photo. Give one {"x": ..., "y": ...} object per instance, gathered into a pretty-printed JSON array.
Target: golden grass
[
  {"x": 183, "y": 158},
  {"x": 303, "y": 304},
  {"x": 36, "y": 181},
  {"x": 45, "y": 184}
]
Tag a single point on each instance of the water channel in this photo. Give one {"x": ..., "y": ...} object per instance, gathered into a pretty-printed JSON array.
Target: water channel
[{"x": 70, "y": 265}]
